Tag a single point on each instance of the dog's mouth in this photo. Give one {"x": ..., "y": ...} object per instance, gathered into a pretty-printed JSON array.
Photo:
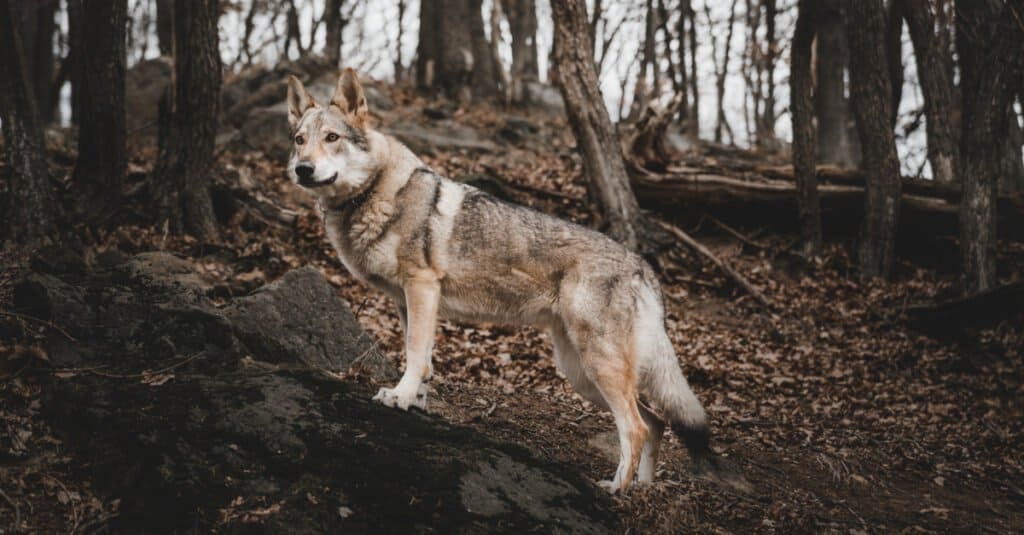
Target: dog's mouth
[{"x": 313, "y": 183}]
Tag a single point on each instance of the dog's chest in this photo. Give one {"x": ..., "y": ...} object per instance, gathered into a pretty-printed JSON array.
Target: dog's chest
[{"x": 369, "y": 260}]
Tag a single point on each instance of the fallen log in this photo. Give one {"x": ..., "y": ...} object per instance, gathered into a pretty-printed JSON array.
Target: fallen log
[
  {"x": 931, "y": 211},
  {"x": 952, "y": 317}
]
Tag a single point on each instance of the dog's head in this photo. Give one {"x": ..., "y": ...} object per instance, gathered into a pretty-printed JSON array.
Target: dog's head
[{"x": 330, "y": 144}]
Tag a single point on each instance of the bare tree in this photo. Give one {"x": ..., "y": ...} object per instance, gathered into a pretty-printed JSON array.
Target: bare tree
[
  {"x": 603, "y": 165},
  {"x": 30, "y": 211},
  {"x": 99, "y": 96},
  {"x": 721, "y": 122},
  {"x": 989, "y": 38},
  {"x": 1011, "y": 176},
  {"x": 37, "y": 26},
  {"x": 766, "y": 126},
  {"x": 691, "y": 15},
  {"x": 894, "y": 53},
  {"x": 334, "y": 25},
  {"x": 522, "y": 23},
  {"x": 454, "y": 57},
  {"x": 165, "y": 26},
  {"x": 935, "y": 71},
  {"x": 802, "y": 113},
  {"x": 188, "y": 122},
  {"x": 831, "y": 108},
  {"x": 871, "y": 95}
]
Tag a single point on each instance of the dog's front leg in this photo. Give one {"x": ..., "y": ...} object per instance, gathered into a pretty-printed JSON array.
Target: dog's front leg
[{"x": 422, "y": 295}]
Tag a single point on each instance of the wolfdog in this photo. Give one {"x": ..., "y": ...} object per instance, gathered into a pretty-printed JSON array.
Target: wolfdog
[{"x": 441, "y": 248}]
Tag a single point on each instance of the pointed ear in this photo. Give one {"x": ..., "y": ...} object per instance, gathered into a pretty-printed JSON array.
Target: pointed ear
[
  {"x": 299, "y": 100},
  {"x": 349, "y": 97}
]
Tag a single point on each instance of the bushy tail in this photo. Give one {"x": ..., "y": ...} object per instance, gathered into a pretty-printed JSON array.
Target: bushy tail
[{"x": 669, "y": 390}]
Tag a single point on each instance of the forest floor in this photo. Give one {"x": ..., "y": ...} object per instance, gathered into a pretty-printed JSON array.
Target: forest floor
[{"x": 841, "y": 417}]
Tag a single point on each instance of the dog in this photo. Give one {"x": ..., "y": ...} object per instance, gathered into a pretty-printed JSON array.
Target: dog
[{"x": 441, "y": 248}]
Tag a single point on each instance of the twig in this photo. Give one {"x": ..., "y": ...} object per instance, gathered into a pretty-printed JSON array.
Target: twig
[
  {"x": 17, "y": 511},
  {"x": 737, "y": 234},
  {"x": 41, "y": 321},
  {"x": 733, "y": 274},
  {"x": 94, "y": 370}
]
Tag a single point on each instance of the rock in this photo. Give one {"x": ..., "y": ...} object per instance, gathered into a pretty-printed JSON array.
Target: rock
[
  {"x": 154, "y": 307},
  {"x": 280, "y": 320},
  {"x": 266, "y": 129},
  {"x": 544, "y": 97},
  {"x": 440, "y": 134},
  {"x": 145, "y": 83},
  {"x": 294, "y": 452},
  {"x": 191, "y": 436},
  {"x": 518, "y": 130}
]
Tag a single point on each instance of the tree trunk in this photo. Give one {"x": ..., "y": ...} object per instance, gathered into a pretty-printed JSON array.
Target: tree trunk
[
  {"x": 1011, "y": 175},
  {"x": 454, "y": 57},
  {"x": 522, "y": 23},
  {"x": 37, "y": 24},
  {"x": 603, "y": 164},
  {"x": 936, "y": 77},
  {"x": 871, "y": 96},
  {"x": 721, "y": 123},
  {"x": 188, "y": 122},
  {"x": 691, "y": 13},
  {"x": 100, "y": 76},
  {"x": 334, "y": 24},
  {"x": 293, "y": 33},
  {"x": 802, "y": 113},
  {"x": 766, "y": 133},
  {"x": 165, "y": 26},
  {"x": 988, "y": 44},
  {"x": 831, "y": 108},
  {"x": 684, "y": 82},
  {"x": 29, "y": 217},
  {"x": 894, "y": 54}
]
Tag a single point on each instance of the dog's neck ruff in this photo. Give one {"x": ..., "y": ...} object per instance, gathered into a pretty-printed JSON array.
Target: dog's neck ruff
[{"x": 355, "y": 201}]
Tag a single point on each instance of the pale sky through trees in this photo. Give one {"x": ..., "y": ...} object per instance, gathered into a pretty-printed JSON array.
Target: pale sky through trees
[{"x": 369, "y": 44}]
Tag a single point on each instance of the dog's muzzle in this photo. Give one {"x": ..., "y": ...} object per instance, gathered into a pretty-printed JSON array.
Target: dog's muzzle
[{"x": 310, "y": 182}]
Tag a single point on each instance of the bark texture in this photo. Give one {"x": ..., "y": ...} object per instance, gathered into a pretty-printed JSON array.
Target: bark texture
[
  {"x": 37, "y": 26},
  {"x": 188, "y": 122},
  {"x": 871, "y": 96},
  {"x": 603, "y": 165},
  {"x": 988, "y": 41},
  {"x": 894, "y": 54},
  {"x": 802, "y": 113},
  {"x": 29, "y": 217},
  {"x": 455, "y": 56},
  {"x": 831, "y": 108},
  {"x": 100, "y": 77},
  {"x": 334, "y": 24},
  {"x": 165, "y": 26},
  {"x": 522, "y": 23},
  {"x": 935, "y": 72}
]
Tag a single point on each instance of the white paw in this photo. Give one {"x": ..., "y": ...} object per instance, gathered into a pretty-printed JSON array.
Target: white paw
[
  {"x": 611, "y": 486},
  {"x": 392, "y": 397}
]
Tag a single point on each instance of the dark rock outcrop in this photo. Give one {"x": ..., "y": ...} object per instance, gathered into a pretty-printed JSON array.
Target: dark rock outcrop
[{"x": 201, "y": 417}]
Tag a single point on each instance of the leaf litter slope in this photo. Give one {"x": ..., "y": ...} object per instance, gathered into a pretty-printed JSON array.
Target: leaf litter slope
[{"x": 841, "y": 418}]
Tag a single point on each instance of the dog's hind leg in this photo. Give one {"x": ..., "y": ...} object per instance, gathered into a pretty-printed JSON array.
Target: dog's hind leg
[
  {"x": 609, "y": 365},
  {"x": 649, "y": 455}
]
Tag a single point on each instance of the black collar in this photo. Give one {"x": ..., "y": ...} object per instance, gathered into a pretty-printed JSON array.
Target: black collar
[{"x": 358, "y": 199}]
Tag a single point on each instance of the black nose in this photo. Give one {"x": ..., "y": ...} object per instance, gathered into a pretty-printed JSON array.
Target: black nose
[{"x": 304, "y": 171}]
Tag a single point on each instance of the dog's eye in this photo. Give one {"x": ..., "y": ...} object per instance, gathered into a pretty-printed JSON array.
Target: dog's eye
[
  {"x": 332, "y": 137},
  {"x": 299, "y": 140}
]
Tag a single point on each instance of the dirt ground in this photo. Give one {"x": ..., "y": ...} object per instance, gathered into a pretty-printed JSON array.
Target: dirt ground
[{"x": 842, "y": 418}]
